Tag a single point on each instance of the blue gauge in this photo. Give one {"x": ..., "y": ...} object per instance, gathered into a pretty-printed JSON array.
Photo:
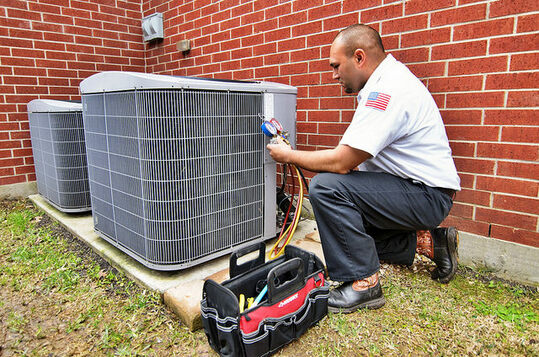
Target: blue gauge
[{"x": 268, "y": 129}]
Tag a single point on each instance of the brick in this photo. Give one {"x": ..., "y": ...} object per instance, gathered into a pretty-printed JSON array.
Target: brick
[
  {"x": 431, "y": 69},
  {"x": 333, "y": 128},
  {"x": 522, "y": 62},
  {"x": 323, "y": 140},
  {"x": 12, "y": 180},
  {"x": 416, "y": 6},
  {"x": 305, "y": 79},
  {"x": 278, "y": 58},
  {"x": 242, "y": 31},
  {"x": 458, "y": 15},
  {"x": 19, "y": 4},
  {"x": 518, "y": 169},
  {"x": 293, "y": 19},
  {"x": 508, "y": 151},
  {"x": 509, "y": 7},
  {"x": 241, "y": 53},
  {"x": 307, "y": 28},
  {"x": 277, "y": 35},
  {"x": 294, "y": 68},
  {"x": 404, "y": 24},
  {"x": 461, "y": 148},
  {"x": 24, "y": 170},
  {"x": 455, "y": 84},
  {"x": 505, "y": 185},
  {"x": 476, "y": 166},
  {"x": 412, "y": 55},
  {"x": 506, "y": 218},
  {"x": 305, "y": 55},
  {"x": 266, "y": 25},
  {"x": 520, "y": 236},
  {"x": 26, "y": 34},
  {"x": 528, "y": 134},
  {"x": 309, "y": 128},
  {"x": 323, "y": 115},
  {"x": 461, "y": 210},
  {"x": 527, "y": 23},
  {"x": 11, "y": 162},
  {"x": 426, "y": 37},
  {"x": 20, "y": 80},
  {"x": 526, "y": 99},
  {"x": 483, "y": 29},
  {"x": 462, "y": 116},
  {"x": 476, "y": 197},
  {"x": 516, "y": 203},
  {"x": 512, "y": 80},
  {"x": 291, "y": 44},
  {"x": 459, "y": 50},
  {"x": 478, "y": 65},
  {"x": 325, "y": 91},
  {"x": 518, "y": 43},
  {"x": 337, "y": 103},
  {"x": 338, "y": 21},
  {"x": 353, "y": 5},
  {"x": 381, "y": 13},
  {"x": 7, "y": 171},
  {"x": 473, "y": 133},
  {"x": 23, "y": 14},
  {"x": 321, "y": 39},
  {"x": 511, "y": 117},
  {"x": 323, "y": 12},
  {"x": 42, "y": 26},
  {"x": 467, "y": 225},
  {"x": 267, "y": 71}
]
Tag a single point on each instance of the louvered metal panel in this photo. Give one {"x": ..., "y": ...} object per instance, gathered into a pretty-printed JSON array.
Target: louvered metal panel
[
  {"x": 179, "y": 174},
  {"x": 58, "y": 146}
]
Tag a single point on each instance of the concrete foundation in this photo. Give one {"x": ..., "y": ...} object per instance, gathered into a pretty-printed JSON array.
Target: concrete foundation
[
  {"x": 182, "y": 290},
  {"x": 18, "y": 190}
]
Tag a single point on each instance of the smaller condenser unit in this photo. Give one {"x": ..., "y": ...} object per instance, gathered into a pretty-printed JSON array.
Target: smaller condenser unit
[
  {"x": 57, "y": 134},
  {"x": 178, "y": 167}
]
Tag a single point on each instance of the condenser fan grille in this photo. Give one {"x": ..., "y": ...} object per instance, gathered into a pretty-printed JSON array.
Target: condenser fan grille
[
  {"x": 175, "y": 175},
  {"x": 60, "y": 157}
]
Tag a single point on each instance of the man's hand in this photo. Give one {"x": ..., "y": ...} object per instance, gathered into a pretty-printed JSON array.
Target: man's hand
[{"x": 279, "y": 150}]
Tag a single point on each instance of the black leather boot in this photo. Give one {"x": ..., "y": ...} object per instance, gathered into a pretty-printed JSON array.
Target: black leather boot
[
  {"x": 445, "y": 243},
  {"x": 346, "y": 300}
]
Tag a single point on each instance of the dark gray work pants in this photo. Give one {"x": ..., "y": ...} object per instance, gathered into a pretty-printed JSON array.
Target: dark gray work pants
[{"x": 366, "y": 216}]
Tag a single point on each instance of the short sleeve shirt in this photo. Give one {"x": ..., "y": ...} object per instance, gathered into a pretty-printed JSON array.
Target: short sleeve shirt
[{"x": 399, "y": 124}]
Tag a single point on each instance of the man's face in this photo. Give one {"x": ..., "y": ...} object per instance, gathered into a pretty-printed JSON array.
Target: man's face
[{"x": 347, "y": 70}]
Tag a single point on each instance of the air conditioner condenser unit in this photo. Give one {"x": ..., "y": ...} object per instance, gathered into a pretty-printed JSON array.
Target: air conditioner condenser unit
[
  {"x": 178, "y": 169},
  {"x": 58, "y": 146}
]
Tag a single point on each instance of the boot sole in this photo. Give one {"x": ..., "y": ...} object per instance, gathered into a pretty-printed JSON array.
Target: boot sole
[
  {"x": 452, "y": 243},
  {"x": 371, "y": 305}
]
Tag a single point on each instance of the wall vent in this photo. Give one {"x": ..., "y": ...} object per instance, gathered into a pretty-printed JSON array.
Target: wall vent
[
  {"x": 57, "y": 134},
  {"x": 177, "y": 166}
]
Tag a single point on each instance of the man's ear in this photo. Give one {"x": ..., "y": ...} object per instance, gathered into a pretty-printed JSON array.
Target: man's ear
[{"x": 360, "y": 57}]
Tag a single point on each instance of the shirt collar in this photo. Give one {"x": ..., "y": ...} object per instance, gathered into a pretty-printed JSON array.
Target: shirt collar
[{"x": 376, "y": 75}]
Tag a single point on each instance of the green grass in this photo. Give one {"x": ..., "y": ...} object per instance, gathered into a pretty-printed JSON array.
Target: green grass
[{"x": 57, "y": 299}]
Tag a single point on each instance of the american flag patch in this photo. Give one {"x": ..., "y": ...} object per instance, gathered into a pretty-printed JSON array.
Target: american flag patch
[{"x": 378, "y": 100}]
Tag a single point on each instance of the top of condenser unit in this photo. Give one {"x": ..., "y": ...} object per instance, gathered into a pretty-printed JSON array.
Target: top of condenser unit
[
  {"x": 114, "y": 81},
  {"x": 53, "y": 106}
]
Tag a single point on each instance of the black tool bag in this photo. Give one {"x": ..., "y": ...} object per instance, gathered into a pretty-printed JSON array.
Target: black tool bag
[{"x": 296, "y": 298}]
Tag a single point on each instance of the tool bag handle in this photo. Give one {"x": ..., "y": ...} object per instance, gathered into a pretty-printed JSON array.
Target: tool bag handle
[
  {"x": 280, "y": 291},
  {"x": 235, "y": 269}
]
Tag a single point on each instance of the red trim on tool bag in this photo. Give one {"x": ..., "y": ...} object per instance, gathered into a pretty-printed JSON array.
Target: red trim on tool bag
[{"x": 284, "y": 307}]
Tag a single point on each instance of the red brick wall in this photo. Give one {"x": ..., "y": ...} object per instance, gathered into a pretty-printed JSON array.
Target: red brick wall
[
  {"x": 479, "y": 59},
  {"x": 46, "y": 48}
]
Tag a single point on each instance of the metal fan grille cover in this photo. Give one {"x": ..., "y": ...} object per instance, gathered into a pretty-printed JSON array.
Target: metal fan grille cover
[
  {"x": 176, "y": 175},
  {"x": 59, "y": 151}
]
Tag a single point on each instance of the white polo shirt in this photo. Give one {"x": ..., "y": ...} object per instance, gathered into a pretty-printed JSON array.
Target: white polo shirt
[{"x": 399, "y": 124}]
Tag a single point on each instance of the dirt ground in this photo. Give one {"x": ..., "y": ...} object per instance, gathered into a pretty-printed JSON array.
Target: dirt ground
[{"x": 59, "y": 298}]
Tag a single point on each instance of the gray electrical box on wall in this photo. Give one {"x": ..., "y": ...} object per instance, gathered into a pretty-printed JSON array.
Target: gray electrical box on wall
[{"x": 178, "y": 167}]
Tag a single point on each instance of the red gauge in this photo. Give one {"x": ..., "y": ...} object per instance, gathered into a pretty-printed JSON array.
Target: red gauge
[{"x": 277, "y": 125}]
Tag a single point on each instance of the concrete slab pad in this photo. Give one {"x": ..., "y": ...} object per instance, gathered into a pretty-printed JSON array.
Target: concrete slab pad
[{"x": 181, "y": 290}]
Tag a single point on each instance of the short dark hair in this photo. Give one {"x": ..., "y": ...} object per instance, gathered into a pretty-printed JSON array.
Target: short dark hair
[{"x": 359, "y": 36}]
